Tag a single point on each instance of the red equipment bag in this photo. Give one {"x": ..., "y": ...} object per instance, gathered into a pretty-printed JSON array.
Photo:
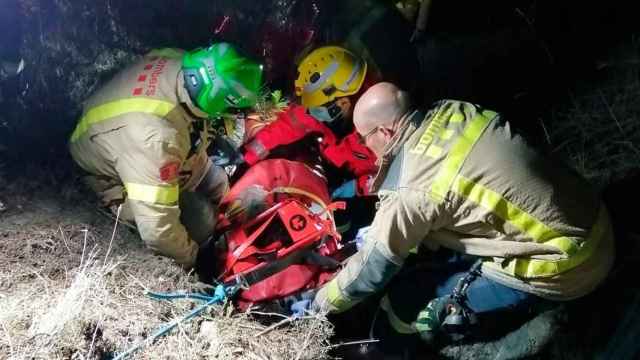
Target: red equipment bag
[{"x": 278, "y": 228}]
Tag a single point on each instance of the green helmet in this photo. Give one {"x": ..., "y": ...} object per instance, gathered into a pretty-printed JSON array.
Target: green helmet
[{"x": 217, "y": 78}]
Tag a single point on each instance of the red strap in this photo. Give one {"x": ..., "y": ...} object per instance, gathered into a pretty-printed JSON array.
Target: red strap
[
  {"x": 337, "y": 205},
  {"x": 237, "y": 253}
]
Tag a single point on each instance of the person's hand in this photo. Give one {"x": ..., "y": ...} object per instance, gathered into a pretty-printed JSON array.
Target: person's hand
[
  {"x": 362, "y": 232},
  {"x": 301, "y": 308},
  {"x": 346, "y": 190},
  {"x": 300, "y": 304}
]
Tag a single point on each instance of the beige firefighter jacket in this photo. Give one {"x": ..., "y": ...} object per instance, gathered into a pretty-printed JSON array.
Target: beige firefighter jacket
[
  {"x": 462, "y": 179},
  {"x": 134, "y": 138}
]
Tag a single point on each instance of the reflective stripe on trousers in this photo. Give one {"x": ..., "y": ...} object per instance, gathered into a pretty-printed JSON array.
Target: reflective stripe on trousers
[{"x": 164, "y": 195}]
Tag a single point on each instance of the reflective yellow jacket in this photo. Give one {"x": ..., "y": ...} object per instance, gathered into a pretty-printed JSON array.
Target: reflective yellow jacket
[
  {"x": 134, "y": 137},
  {"x": 460, "y": 178}
]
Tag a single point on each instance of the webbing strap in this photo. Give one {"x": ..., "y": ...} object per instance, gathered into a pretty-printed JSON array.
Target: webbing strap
[
  {"x": 238, "y": 252},
  {"x": 112, "y": 109},
  {"x": 164, "y": 195},
  {"x": 298, "y": 191}
]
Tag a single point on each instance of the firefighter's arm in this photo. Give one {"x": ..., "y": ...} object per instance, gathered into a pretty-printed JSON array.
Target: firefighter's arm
[
  {"x": 289, "y": 127},
  {"x": 399, "y": 226},
  {"x": 149, "y": 172}
]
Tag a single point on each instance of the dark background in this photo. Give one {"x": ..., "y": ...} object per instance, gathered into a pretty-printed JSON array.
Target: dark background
[
  {"x": 523, "y": 58},
  {"x": 487, "y": 51}
]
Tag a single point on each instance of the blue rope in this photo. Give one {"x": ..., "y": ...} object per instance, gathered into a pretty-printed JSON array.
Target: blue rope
[
  {"x": 221, "y": 293},
  {"x": 172, "y": 296}
]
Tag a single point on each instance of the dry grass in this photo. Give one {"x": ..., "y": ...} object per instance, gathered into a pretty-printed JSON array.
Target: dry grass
[
  {"x": 598, "y": 132},
  {"x": 71, "y": 288}
]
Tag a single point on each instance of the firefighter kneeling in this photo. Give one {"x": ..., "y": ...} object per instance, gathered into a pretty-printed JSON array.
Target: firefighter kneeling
[
  {"x": 457, "y": 177},
  {"x": 143, "y": 141}
]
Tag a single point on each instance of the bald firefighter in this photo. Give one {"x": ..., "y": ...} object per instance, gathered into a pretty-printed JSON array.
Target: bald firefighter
[
  {"x": 143, "y": 140},
  {"x": 518, "y": 227}
]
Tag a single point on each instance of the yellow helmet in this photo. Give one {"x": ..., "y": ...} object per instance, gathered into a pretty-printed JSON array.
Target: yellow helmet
[{"x": 327, "y": 73}]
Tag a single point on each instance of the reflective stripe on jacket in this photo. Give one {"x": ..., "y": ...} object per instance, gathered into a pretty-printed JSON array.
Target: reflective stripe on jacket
[
  {"x": 136, "y": 130},
  {"x": 462, "y": 179}
]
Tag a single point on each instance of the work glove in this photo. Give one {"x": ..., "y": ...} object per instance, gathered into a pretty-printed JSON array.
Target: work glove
[
  {"x": 206, "y": 262},
  {"x": 300, "y": 304},
  {"x": 362, "y": 232},
  {"x": 346, "y": 190},
  {"x": 225, "y": 159},
  {"x": 234, "y": 165},
  {"x": 301, "y": 308}
]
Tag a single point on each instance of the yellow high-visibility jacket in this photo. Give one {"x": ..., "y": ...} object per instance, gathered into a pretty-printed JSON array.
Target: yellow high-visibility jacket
[
  {"x": 134, "y": 138},
  {"x": 460, "y": 178}
]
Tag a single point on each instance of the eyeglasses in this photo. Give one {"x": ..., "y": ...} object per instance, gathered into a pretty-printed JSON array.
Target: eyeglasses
[{"x": 363, "y": 138}]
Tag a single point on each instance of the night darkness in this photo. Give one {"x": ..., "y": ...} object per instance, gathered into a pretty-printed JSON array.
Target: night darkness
[{"x": 565, "y": 73}]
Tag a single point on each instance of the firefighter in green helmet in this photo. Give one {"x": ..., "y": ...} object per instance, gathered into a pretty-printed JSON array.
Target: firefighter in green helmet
[{"x": 142, "y": 139}]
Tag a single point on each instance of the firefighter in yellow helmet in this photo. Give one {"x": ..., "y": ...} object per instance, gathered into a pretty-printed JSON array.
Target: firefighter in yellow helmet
[
  {"x": 143, "y": 140},
  {"x": 330, "y": 79},
  {"x": 328, "y": 74}
]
